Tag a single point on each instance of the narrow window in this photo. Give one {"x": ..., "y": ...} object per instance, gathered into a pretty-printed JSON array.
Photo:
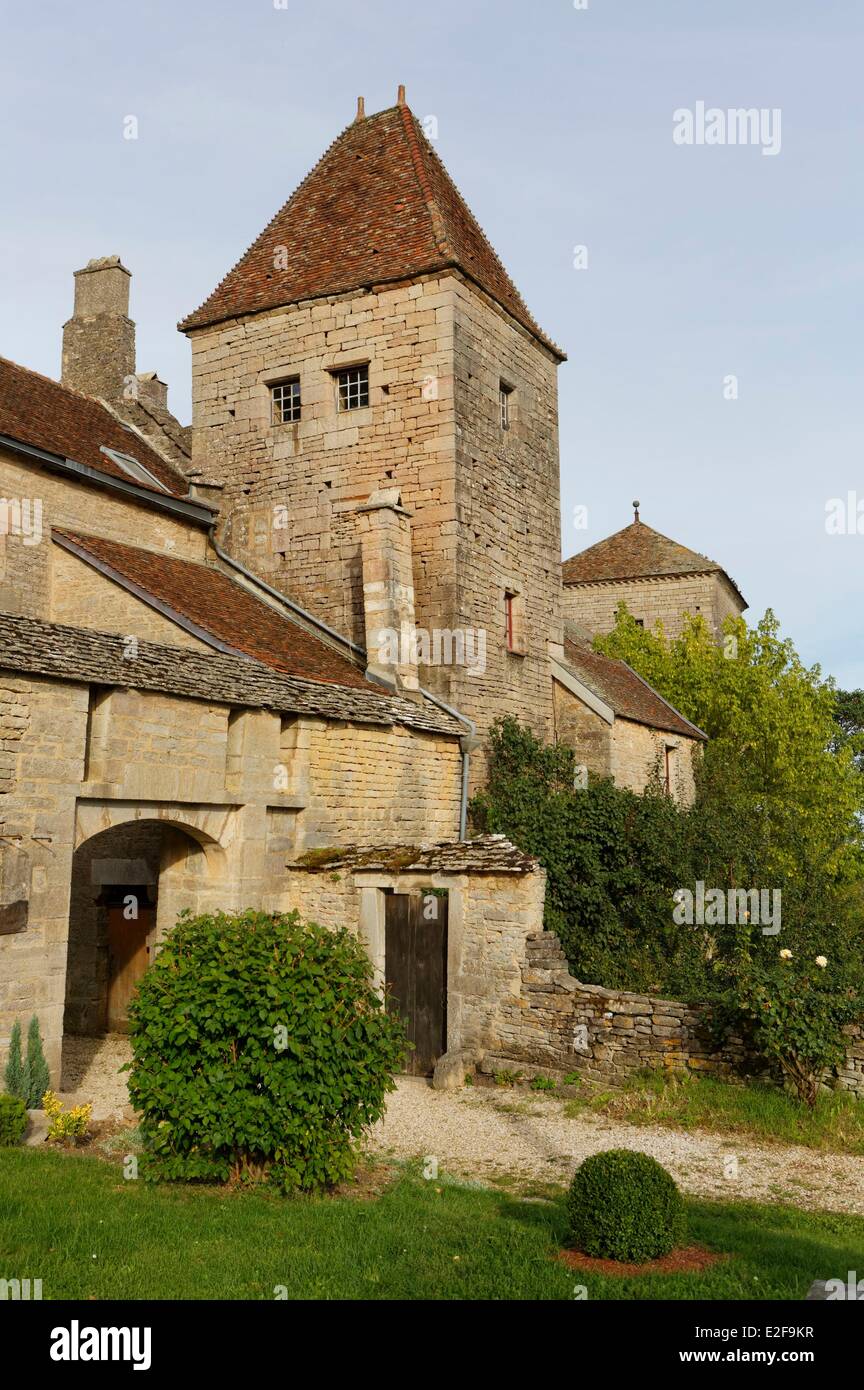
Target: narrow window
[
  {"x": 352, "y": 388},
  {"x": 668, "y": 768},
  {"x": 285, "y": 396},
  {"x": 509, "y": 621},
  {"x": 640, "y": 622},
  {"x": 504, "y": 394}
]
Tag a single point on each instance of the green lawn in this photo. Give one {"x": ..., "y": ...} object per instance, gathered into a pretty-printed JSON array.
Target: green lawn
[
  {"x": 75, "y": 1223},
  {"x": 755, "y": 1109}
]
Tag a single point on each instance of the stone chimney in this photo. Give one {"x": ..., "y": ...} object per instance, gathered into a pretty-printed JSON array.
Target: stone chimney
[
  {"x": 388, "y": 590},
  {"x": 99, "y": 339}
]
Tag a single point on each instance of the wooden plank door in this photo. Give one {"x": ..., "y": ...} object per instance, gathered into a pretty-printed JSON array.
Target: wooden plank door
[
  {"x": 415, "y": 968},
  {"x": 128, "y": 957}
]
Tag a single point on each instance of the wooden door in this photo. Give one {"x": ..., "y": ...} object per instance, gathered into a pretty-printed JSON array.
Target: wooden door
[
  {"x": 128, "y": 957},
  {"x": 415, "y": 968}
]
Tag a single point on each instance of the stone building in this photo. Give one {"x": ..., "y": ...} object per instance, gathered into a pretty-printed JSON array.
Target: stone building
[
  {"x": 251, "y": 663},
  {"x": 659, "y": 580}
]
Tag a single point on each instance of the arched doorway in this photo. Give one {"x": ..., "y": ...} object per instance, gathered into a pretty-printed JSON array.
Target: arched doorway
[{"x": 129, "y": 882}]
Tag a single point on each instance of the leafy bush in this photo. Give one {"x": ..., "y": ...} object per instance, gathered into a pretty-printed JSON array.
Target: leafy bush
[
  {"x": 261, "y": 1051},
  {"x": 793, "y": 1011},
  {"x": 66, "y": 1125},
  {"x": 624, "y": 1206},
  {"x": 13, "y": 1120},
  {"x": 28, "y": 1079}
]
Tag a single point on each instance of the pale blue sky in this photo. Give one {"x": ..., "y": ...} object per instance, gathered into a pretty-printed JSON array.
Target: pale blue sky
[{"x": 557, "y": 125}]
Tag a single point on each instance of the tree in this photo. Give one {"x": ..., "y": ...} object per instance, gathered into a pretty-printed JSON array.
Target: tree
[
  {"x": 16, "y": 1078},
  {"x": 37, "y": 1068},
  {"x": 779, "y": 795}
]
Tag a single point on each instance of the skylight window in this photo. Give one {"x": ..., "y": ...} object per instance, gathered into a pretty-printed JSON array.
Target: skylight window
[{"x": 132, "y": 467}]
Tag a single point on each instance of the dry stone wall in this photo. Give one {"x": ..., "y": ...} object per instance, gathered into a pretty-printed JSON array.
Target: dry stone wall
[{"x": 558, "y": 1024}]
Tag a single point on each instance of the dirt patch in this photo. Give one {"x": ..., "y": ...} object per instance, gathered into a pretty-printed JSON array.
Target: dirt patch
[{"x": 690, "y": 1259}]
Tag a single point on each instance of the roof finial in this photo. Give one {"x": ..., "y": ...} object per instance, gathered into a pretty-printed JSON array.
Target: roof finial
[
  {"x": 400, "y": 95},
  {"x": 361, "y": 109},
  {"x": 636, "y": 506}
]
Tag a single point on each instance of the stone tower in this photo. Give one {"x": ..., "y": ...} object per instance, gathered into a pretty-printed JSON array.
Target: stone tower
[
  {"x": 370, "y": 345},
  {"x": 659, "y": 580}
]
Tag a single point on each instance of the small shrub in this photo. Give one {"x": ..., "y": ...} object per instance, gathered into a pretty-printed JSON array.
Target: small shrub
[
  {"x": 15, "y": 1076},
  {"x": 261, "y": 1051},
  {"x": 13, "y": 1120},
  {"x": 37, "y": 1068},
  {"x": 66, "y": 1126},
  {"x": 507, "y": 1078},
  {"x": 543, "y": 1083},
  {"x": 624, "y": 1206}
]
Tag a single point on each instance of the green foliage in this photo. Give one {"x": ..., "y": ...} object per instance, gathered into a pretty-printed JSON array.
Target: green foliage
[
  {"x": 623, "y": 1205},
  {"x": 37, "y": 1068},
  {"x": 15, "y": 1076},
  {"x": 543, "y": 1083},
  {"x": 261, "y": 1051},
  {"x": 793, "y": 1009},
  {"x": 27, "y": 1079},
  {"x": 613, "y": 860},
  {"x": 13, "y": 1119},
  {"x": 780, "y": 796}
]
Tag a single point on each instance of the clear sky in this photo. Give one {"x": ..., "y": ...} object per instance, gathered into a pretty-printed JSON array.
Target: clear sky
[{"x": 704, "y": 261}]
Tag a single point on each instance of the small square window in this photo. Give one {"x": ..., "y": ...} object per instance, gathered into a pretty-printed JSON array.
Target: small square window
[
  {"x": 504, "y": 395},
  {"x": 285, "y": 396},
  {"x": 352, "y": 388}
]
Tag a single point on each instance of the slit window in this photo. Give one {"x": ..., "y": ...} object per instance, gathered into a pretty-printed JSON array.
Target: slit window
[{"x": 505, "y": 394}]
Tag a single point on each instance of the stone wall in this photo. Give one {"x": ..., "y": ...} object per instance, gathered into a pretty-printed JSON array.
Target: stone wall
[
  {"x": 235, "y": 793},
  {"x": 630, "y": 753},
  {"x": 665, "y": 599},
  {"x": 559, "y": 1024},
  {"x": 29, "y": 584},
  {"x": 489, "y": 919}
]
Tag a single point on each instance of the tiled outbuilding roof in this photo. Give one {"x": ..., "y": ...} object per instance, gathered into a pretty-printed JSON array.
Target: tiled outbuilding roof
[
  {"x": 79, "y": 654},
  {"x": 378, "y": 207},
  {"x": 42, "y": 413},
  {"x": 487, "y": 854},
  {"x": 625, "y": 692},
  {"x": 216, "y": 606},
  {"x": 637, "y": 552}
]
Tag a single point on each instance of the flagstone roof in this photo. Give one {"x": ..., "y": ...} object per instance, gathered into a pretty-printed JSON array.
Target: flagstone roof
[
  {"x": 83, "y": 655},
  {"x": 489, "y": 854},
  {"x": 379, "y": 206}
]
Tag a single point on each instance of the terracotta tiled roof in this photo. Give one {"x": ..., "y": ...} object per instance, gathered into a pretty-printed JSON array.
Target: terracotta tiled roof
[
  {"x": 626, "y": 693},
  {"x": 102, "y": 658},
  {"x": 487, "y": 854},
  {"x": 219, "y": 607},
  {"x": 379, "y": 206},
  {"x": 40, "y": 412},
  {"x": 637, "y": 552}
]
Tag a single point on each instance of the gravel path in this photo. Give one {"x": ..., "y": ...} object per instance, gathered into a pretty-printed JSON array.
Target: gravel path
[
  {"x": 487, "y": 1134},
  {"x": 490, "y": 1134}
]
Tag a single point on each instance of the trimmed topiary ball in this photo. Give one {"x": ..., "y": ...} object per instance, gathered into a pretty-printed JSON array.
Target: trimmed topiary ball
[
  {"x": 623, "y": 1205},
  {"x": 13, "y": 1120},
  {"x": 261, "y": 1051}
]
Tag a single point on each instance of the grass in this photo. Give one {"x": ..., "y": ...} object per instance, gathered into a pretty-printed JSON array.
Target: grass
[
  {"x": 758, "y": 1110},
  {"x": 74, "y": 1222}
]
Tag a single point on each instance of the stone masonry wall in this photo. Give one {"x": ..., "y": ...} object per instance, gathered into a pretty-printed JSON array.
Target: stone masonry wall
[
  {"x": 591, "y": 607},
  {"x": 559, "y": 1024},
  {"x": 483, "y": 501}
]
